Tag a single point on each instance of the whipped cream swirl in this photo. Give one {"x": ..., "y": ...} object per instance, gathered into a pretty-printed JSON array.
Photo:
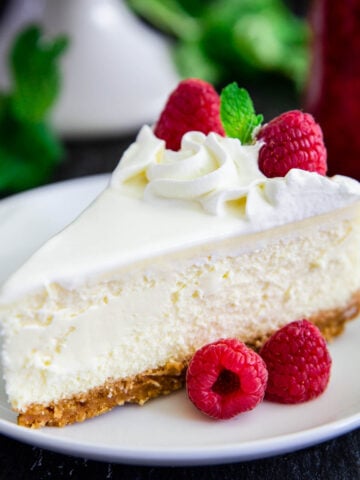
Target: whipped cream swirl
[{"x": 222, "y": 175}]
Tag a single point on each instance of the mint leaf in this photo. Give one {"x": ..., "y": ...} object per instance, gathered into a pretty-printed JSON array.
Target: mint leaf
[
  {"x": 240, "y": 39},
  {"x": 169, "y": 16},
  {"x": 4, "y": 100},
  {"x": 237, "y": 113},
  {"x": 35, "y": 72},
  {"x": 28, "y": 153},
  {"x": 29, "y": 150}
]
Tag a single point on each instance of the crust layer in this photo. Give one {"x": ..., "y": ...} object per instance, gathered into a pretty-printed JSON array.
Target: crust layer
[{"x": 153, "y": 383}]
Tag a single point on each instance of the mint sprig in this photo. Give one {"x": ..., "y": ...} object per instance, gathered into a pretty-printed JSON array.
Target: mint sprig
[
  {"x": 237, "y": 113},
  {"x": 36, "y": 78},
  {"x": 28, "y": 147},
  {"x": 237, "y": 39}
]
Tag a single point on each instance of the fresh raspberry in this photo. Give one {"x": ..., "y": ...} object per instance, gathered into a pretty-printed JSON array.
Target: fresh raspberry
[
  {"x": 193, "y": 105},
  {"x": 298, "y": 363},
  {"x": 292, "y": 140},
  {"x": 226, "y": 378}
]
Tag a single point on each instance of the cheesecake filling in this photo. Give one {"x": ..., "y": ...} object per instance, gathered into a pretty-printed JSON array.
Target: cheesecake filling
[{"x": 55, "y": 350}]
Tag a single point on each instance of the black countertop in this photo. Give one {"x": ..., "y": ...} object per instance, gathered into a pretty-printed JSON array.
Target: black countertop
[{"x": 338, "y": 459}]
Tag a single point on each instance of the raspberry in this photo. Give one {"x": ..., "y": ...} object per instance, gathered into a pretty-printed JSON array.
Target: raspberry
[
  {"x": 298, "y": 363},
  {"x": 226, "y": 378},
  {"x": 292, "y": 140},
  {"x": 194, "y": 105}
]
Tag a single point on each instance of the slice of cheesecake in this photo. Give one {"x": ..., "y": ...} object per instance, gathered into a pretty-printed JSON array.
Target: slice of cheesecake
[
  {"x": 181, "y": 249},
  {"x": 185, "y": 246}
]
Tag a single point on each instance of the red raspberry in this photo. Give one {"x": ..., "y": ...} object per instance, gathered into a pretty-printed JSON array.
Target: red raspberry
[
  {"x": 292, "y": 140},
  {"x": 194, "y": 105},
  {"x": 298, "y": 363},
  {"x": 226, "y": 378}
]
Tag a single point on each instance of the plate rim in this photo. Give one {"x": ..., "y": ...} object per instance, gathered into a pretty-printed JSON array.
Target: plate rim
[
  {"x": 98, "y": 177},
  {"x": 193, "y": 456}
]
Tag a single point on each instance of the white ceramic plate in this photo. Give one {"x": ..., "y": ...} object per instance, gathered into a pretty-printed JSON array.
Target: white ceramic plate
[{"x": 168, "y": 430}]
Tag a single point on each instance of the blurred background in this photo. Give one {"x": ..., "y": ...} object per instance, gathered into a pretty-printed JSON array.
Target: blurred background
[{"x": 79, "y": 77}]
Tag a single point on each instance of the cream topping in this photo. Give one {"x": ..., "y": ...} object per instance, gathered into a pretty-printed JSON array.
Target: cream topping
[
  {"x": 210, "y": 170},
  {"x": 219, "y": 173}
]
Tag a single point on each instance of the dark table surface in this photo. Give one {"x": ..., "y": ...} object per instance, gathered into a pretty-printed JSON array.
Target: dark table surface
[{"x": 337, "y": 459}]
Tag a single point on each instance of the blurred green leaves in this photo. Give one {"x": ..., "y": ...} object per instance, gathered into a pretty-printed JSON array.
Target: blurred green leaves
[
  {"x": 219, "y": 40},
  {"x": 28, "y": 148}
]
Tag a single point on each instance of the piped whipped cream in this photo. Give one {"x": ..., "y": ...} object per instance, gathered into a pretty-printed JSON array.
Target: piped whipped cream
[
  {"x": 159, "y": 201},
  {"x": 223, "y": 177},
  {"x": 211, "y": 170}
]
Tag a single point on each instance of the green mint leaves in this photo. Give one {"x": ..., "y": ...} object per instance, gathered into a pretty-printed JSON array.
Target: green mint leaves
[
  {"x": 237, "y": 113},
  {"x": 36, "y": 79},
  {"x": 28, "y": 147},
  {"x": 220, "y": 39}
]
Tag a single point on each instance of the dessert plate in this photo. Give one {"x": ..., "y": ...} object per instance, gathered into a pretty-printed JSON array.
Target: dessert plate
[{"x": 169, "y": 430}]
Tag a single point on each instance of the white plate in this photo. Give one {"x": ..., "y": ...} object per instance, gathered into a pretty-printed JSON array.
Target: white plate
[{"x": 168, "y": 430}]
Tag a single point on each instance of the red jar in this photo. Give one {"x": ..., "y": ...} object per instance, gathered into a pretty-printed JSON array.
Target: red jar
[{"x": 333, "y": 93}]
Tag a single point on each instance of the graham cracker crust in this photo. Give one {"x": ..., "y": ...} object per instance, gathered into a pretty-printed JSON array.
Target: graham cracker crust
[{"x": 153, "y": 383}]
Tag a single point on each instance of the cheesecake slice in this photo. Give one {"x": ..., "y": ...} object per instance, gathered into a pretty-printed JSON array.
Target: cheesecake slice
[
  {"x": 181, "y": 249},
  {"x": 198, "y": 236}
]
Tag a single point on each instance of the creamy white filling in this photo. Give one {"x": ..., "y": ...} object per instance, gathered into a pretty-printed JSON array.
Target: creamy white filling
[{"x": 166, "y": 312}]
